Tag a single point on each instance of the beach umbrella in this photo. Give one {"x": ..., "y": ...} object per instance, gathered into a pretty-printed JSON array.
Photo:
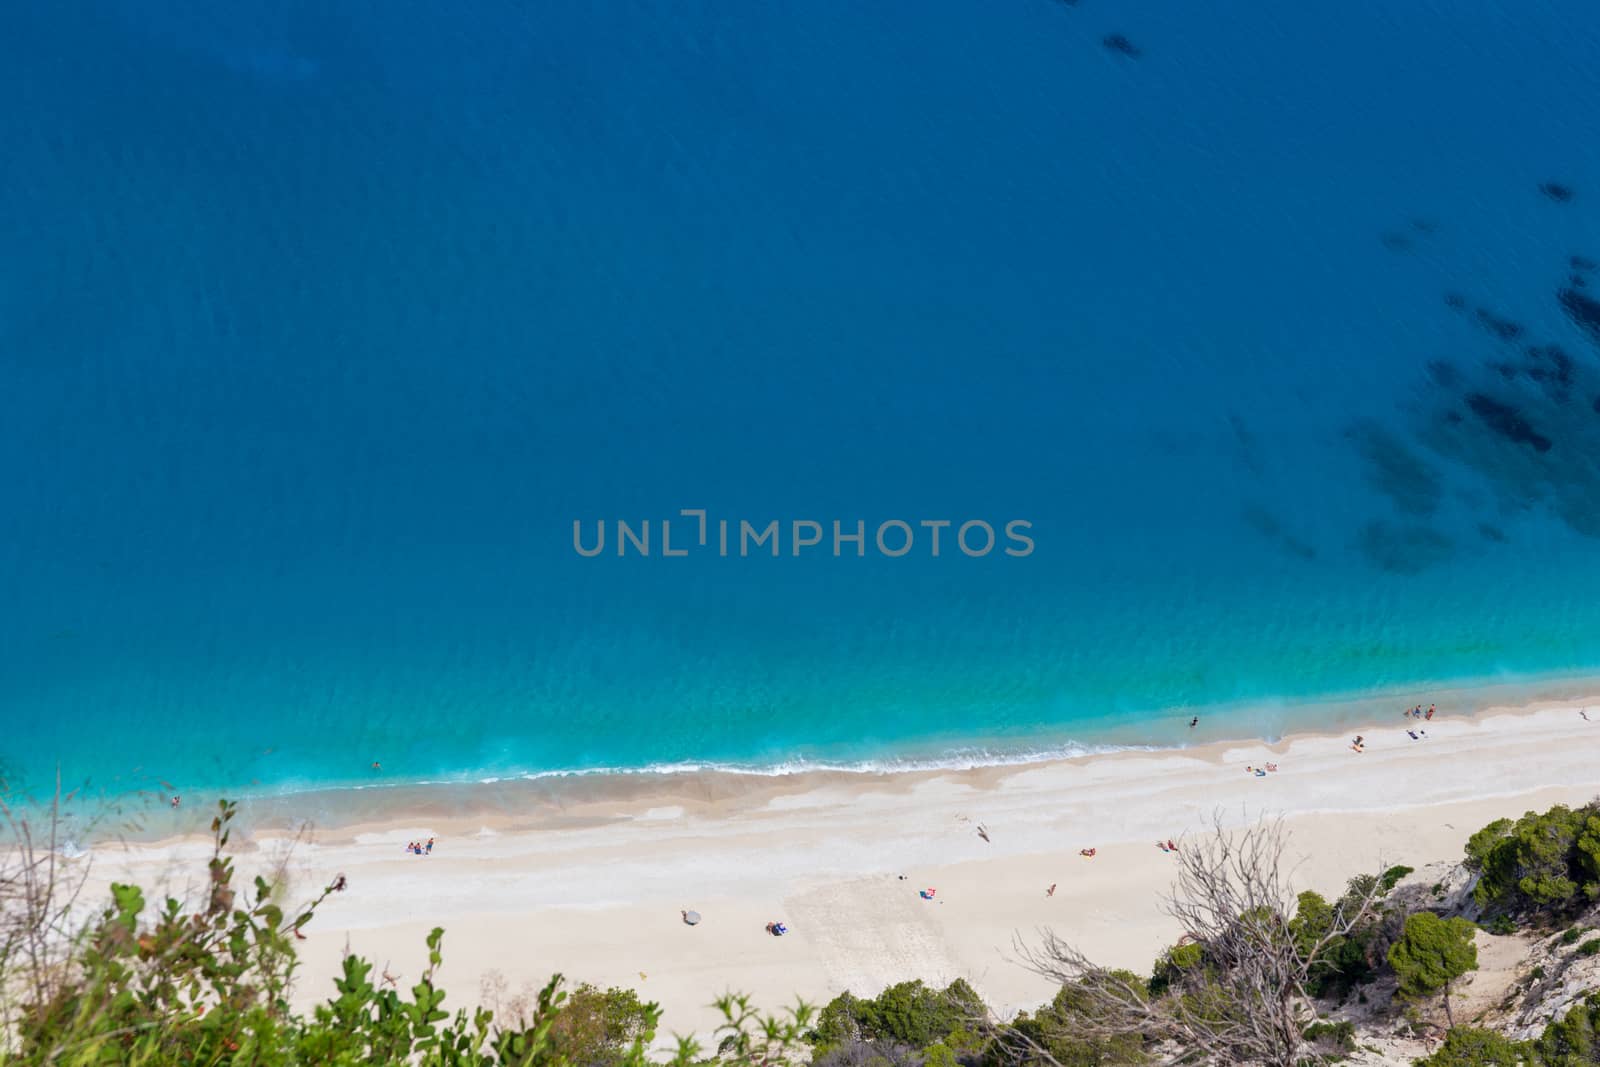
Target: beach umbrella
[{"x": 691, "y": 917}]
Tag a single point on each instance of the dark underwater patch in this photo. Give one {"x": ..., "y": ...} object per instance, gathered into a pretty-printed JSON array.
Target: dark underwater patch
[
  {"x": 1444, "y": 375},
  {"x": 1502, "y": 328},
  {"x": 1550, "y": 366},
  {"x": 1455, "y": 301},
  {"x": 1395, "y": 242},
  {"x": 1506, "y": 421},
  {"x": 1119, "y": 44},
  {"x": 1561, "y": 194},
  {"x": 1490, "y": 532},
  {"x": 1267, "y": 525},
  {"x": 1403, "y": 549},
  {"x": 1583, "y": 310},
  {"x": 1396, "y": 471},
  {"x": 1581, "y": 263}
]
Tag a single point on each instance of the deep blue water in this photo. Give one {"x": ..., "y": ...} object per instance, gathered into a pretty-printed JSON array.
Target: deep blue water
[{"x": 320, "y": 324}]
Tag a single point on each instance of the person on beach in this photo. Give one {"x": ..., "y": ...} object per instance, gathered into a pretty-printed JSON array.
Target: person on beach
[
  {"x": 339, "y": 883},
  {"x": 1584, "y": 713},
  {"x": 1051, "y": 891},
  {"x": 1413, "y": 734},
  {"x": 1086, "y": 852},
  {"x": 1171, "y": 847},
  {"x": 1429, "y": 716},
  {"x": 430, "y": 846},
  {"x": 176, "y": 800},
  {"x": 1272, "y": 766},
  {"x": 377, "y": 766},
  {"x": 1194, "y": 722}
]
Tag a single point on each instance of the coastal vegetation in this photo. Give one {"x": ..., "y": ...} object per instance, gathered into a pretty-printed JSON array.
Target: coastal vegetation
[{"x": 1260, "y": 975}]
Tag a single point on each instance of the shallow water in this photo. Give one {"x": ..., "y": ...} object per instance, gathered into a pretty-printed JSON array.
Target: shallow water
[{"x": 321, "y": 324}]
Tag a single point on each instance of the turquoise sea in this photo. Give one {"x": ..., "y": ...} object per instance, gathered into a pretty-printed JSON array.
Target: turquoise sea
[{"x": 321, "y": 324}]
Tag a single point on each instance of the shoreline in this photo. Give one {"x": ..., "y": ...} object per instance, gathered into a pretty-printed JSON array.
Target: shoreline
[
  {"x": 545, "y": 798},
  {"x": 591, "y": 885}
]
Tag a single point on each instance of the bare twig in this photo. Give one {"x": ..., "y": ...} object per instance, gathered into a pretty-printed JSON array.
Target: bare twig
[{"x": 1243, "y": 998}]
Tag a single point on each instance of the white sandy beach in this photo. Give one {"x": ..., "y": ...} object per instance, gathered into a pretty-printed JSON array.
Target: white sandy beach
[{"x": 596, "y": 892}]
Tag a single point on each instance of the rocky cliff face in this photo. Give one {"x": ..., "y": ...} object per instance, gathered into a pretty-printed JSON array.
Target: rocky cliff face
[{"x": 1524, "y": 981}]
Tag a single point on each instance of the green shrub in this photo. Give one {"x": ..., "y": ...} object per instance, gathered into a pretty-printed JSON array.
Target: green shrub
[
  {"x": 596, "y": 1028},
  {"x": 1480, "y": 844},
  {"x": 1059, "y": 1028},
  {"x": 909, "y": 1013},
  {"x": 1431, "y": 953},
  {"x": 1173, "y": 965},
  {"x": 1542, "y": 863},
  {"x": 1589, "y": 947},
  {"x": 1339, "y": 1037},
  {"x": 1570, "y": 935},
  {"x": 1470, "y": 1047},
  {"x": 1573, "y": 1041},
  {"x": 1345, "y": 961},
  {"x": 1501, "y": 925},
  {"x": 1392, "y": 876}
]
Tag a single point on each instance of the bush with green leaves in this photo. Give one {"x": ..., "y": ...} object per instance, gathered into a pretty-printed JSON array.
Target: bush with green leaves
[
  {"x": 597, "y": 1027},
  {"x": 1466, "y": 1046},
  {"x": 1431, "y": 953},
  {"x": 910, "y": 1014},
  {"x": 1173, "y": 964},
  {"x": 1501, "y": 925},
  {"x": 1483, "y": 842},
  {"x": 1063, "y": 1033},
  {"x": 1332, "y": 1040},
  {"x": 1573, "y": 1040},
  {"x": 1347, "y": 961},
  {"x": 1393, "y": 876},
  {"x": 1541, "y": 865}
]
